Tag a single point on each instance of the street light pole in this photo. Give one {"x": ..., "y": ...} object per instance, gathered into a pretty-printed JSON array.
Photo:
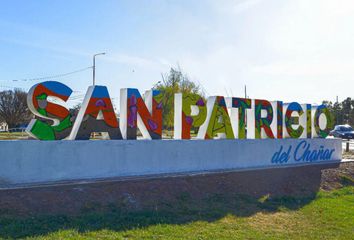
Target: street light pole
[{"x": 94, "y": 67}]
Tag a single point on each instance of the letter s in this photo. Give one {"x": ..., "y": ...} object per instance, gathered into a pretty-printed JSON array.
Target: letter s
[{"x": 37, "y": 101}]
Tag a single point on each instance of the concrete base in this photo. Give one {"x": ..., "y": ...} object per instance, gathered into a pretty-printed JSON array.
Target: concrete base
[{"x": 32, "y": 162}]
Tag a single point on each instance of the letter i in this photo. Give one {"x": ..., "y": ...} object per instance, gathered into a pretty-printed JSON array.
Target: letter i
[
  {"x": 308, "y": 121},
  {"x": 279, "y": 119}
]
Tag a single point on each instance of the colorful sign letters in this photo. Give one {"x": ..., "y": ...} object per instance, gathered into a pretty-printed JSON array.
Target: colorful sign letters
[{"x": 214, "y": 117}]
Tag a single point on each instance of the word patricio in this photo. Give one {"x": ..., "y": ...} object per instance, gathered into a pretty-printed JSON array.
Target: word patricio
[{"x": 215, "y": 117}]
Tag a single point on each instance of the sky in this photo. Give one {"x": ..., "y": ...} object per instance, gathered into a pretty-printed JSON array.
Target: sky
[{"x": 289, "y": 50}]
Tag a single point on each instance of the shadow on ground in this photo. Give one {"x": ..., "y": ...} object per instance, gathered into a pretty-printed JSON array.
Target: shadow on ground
[{"x": 134, "y": 204}]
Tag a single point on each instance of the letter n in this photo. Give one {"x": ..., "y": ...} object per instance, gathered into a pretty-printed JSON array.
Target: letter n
[{"x": 136, "y": 113}]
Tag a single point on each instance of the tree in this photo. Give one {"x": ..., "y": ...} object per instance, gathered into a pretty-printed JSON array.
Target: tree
[
  {"x": 13, "y": 108},
  {"x": 343, "y": 112},
  {"x": 75, "y": 110},
  {"x": 337, "y": 113},
  {"x": 174, "y": 82},
  {"x": 348, "y": 111}
]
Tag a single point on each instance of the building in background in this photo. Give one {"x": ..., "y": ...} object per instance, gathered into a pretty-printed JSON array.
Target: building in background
[{"x": 3, "y": 127}]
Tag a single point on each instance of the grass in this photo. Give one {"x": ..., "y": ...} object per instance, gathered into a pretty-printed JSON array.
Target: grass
[
  {"x": 326, "y": 215},
  {"x": 13, "y": 135}
]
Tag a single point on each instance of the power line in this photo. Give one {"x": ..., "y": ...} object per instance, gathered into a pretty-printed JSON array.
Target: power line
[
  {"x": 49, "y": 77},
  {"x": 77, "y": 97},
  {"x": 2, "y": 86}
]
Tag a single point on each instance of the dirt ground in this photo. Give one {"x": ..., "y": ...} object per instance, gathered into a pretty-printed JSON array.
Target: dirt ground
[
  {"x": 337, "y": 177},
  {"x": 147, "y": 194}
]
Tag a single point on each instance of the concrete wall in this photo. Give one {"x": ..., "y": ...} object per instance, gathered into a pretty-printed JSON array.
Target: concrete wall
[{"x": 25, "y": 162}]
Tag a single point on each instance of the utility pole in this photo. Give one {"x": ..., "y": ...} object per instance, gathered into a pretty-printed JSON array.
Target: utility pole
[
  {"x": 94, "y": 67},
  {"x": 245, "y": 91}
]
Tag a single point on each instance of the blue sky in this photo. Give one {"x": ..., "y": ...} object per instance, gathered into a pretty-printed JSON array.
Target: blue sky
[{"x": 291, "y": 50}]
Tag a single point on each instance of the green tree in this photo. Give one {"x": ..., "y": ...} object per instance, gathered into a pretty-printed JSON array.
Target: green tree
[
  {"x": 175, "y": 81},
  {"x": 337, "y": 113},
  {"x": 348, "y": 111},
  {"x": 343, "y": 112}
]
